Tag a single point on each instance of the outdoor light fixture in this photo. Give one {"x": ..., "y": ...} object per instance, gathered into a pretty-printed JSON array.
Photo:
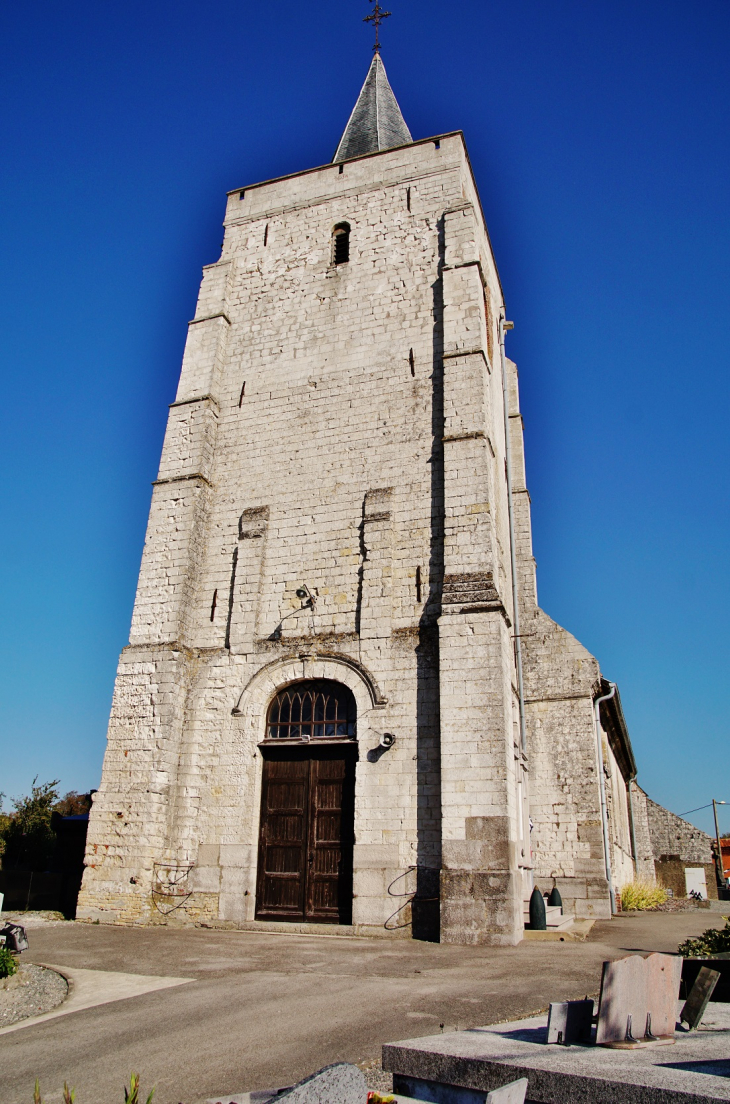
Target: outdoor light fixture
[
  {"x": 305, "y": 596},
  {"x": 386, "y": 740},
  {"x": 308, "y": 601}
]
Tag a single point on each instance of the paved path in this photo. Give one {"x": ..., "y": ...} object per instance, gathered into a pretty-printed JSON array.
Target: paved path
[{"x": 268, "y": 1009}]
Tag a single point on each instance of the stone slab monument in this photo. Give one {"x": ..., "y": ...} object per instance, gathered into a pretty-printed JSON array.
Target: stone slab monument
[{"x": 638, "y": 1002}]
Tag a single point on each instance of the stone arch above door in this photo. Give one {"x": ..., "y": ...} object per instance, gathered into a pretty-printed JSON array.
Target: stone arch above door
[{"x": 254, "y": 700}]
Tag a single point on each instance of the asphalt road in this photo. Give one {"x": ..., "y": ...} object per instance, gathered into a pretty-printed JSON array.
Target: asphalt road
[{"x": 265, "y": 1010}]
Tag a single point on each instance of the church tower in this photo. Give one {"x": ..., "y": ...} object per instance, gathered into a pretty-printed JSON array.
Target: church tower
[{"x": 317, "y": 718}]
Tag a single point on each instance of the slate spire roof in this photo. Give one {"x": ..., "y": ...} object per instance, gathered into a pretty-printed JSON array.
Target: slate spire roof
[{"x": 376, "y": 122}]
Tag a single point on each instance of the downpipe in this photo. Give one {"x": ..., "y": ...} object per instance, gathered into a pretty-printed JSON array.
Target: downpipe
[
  {"x": 631, "y": 824},
  {"x": 503, "y": 327},
  {"x": 524, "y": 811},
  {"x": 602, "y": 789}
]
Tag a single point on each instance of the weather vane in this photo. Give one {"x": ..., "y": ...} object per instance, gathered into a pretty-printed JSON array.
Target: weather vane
[{"x": 377, "y": 15}]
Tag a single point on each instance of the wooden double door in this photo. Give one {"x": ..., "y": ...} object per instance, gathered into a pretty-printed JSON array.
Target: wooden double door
[{"x": 306, "y": 834}]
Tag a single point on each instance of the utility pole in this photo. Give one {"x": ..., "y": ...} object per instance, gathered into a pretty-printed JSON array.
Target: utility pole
[{"x": 717, "y": 837}]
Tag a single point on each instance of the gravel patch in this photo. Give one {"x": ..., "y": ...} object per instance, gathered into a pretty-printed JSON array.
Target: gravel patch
[
  {"x": 36, "y": 919},
  {"x": 31, "y": 991},
  {"x": 376, "y": 1079},
  {"x": 681, "y": 904},
  {"x": 672, "y": 904}
]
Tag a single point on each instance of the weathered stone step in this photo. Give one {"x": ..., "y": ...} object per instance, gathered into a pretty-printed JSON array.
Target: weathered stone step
[{"x": 553, "y": 915}]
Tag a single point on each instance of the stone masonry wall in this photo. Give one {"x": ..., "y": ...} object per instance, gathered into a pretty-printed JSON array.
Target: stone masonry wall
[
  {"x": 676, "y": 846},
  {"x": 670, "y": 835},
  {"x": 619, "y": 823},
  {"x": 561, "y": 680},
  {"x": 341, "y": 427},
  {"x": 644, "y": 855},
  {"x": 306, "y": 445}
]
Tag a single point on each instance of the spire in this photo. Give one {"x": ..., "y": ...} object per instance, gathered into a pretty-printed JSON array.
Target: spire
[{"x": 376, "y": 122}]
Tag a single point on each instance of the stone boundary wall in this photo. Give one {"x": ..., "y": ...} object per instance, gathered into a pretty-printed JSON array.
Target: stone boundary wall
[
  {"x": 671, "y": 835},
  {"x": 667, "y": 845}
]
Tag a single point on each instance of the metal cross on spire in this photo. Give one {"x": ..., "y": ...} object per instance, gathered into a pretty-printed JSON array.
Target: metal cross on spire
[{"x": 377, "y": 15}]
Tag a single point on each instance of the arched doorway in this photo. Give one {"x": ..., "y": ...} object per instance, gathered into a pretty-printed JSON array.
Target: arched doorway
[{"x": 307, "y": 804}]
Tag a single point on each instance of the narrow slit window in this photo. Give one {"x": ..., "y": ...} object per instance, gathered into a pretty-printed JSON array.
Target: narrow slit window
[
  {"x": 437, "y": 145},
  {"x": 341, "y": 243},
  {"x": 418, "y": 585},
  {"x": 213, "y": 604},
  {"x": 342, "y": 169},
  {"x": 241, "y": 396},
  {"x": 266, "y": 234},
  {"x": 241, "y": 195},
  {"x": 412, "y": 362},
  {"x": 408, "y": 198}
]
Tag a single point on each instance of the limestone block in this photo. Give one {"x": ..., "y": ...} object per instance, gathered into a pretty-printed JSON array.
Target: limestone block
[
  {"x": 461, "y": 236},
  {"x": 235, "y": 855},
  {"x": 473, "y": 855},
  {"x": 189, "y": 446},
  {"x": 208, "y": 854},
  {"x": 204, "y": 357},
  {"x": 464, "y": 313},
  {"x": 375, "y": 855},
  {"x": 596, "y": 909},
  {"x": 234, "y": 876},
  {"x": 370, "y": 883},
  {"x": 206, "y": 879}
]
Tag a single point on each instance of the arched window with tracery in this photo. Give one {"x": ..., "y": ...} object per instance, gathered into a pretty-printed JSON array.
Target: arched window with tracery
[
  {"x": 341, "y": 243},
  {"x": 318, "y": 709}
]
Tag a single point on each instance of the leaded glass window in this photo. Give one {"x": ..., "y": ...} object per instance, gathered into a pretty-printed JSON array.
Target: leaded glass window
[{"x": 312, "y": 710}]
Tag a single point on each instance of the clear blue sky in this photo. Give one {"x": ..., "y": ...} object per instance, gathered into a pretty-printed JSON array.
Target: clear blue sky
[{"x": 599, "y": 136}]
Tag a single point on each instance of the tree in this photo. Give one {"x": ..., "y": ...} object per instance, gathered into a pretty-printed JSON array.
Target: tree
[
  {"x": 28, "y": 838},
  {"x": 73, "y": 804},
  {"x": 4, "y": 825}
]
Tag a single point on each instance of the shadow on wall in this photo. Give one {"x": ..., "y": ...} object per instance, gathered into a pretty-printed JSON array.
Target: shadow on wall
[{"x": 426, "y": 905}]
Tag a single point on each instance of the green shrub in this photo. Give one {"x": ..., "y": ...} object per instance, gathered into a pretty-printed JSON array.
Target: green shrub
[
  {"x": 131, "y": 1095},
  {"x": 27, "y": 838},
  {"x": 712, "y": 941},
  {"x": 8, "y": 963},
  {"x": 642, "y": 895}
]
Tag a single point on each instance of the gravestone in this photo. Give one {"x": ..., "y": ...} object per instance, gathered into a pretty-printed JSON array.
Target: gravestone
[
  {"x": 638, "y": 1001},
  {"x": 514, "y": 1093},
  {"x": 718, "y": 962},
  {"x": 699, "y": 997},
  {"x": 570, "y": 1022},
  {"x": 663, "y": 977}
]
